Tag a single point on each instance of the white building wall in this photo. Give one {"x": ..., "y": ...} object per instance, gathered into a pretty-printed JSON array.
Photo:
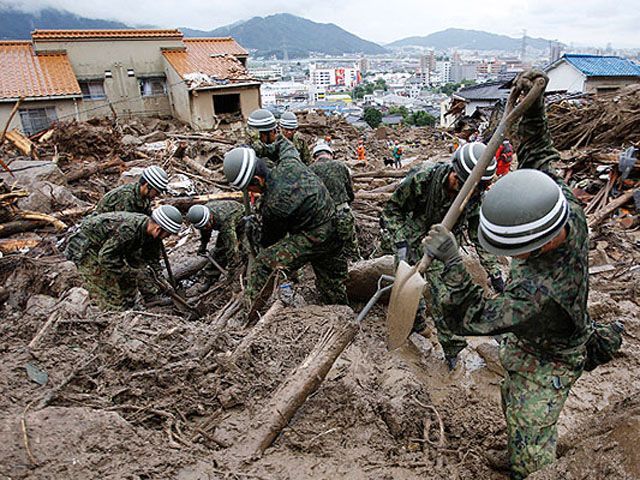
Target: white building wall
[{"x": 564, "y": 77}]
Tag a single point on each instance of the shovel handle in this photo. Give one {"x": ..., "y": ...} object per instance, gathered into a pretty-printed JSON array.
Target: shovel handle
[
  {"x": 511, "y": 114},
  {"x": 247, "y": 212}
]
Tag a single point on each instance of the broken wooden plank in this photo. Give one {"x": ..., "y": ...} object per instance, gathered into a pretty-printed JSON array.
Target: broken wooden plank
[
  {"x": 93, "y": 169},
  {"x": 611, "y": 207},
  {"x": 21, "y": 142},
  {"x": 601, "y": 269}
]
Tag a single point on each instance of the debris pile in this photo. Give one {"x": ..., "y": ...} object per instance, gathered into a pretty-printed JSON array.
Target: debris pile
[
  {"x": 611, "y": 119},
  {"x": 154, "y": 394}
]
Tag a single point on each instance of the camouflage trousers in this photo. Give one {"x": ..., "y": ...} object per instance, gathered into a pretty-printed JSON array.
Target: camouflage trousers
[
  {"x": 346, "y": 227},
  {"x": 223, "y": 257},
  {"x": 533, "y": 394},
  {"x": 451, "y": 344},
  {"x": 321, "y": 248},
  {"x": 108, "y": 290}
]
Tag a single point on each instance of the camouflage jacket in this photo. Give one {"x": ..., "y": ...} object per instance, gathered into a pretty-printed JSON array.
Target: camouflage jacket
[
  {"x": 125, "y": 198},
  {"x": 226, "y": 216},
  {"x": 275, "y": 152},
  {"x": 303, "y": 148},
  {"x": 294, "y": 201},
  {"x": 545, "y": 301},
  {"x": 120, "y": 241},
  {"x": 422, "y": 200},
  {"x": 336, "y": 177}
]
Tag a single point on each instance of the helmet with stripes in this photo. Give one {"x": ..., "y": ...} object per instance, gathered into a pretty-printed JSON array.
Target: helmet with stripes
[
  {"x": 466, "y": 157},
  {"x": 239, "y": 166},
  {"x": 198, "y": 216},
  {"x": 522, "y": 211},
  {"x": 262, "y": 120},
  {"x": 168, "y": 217},
  {"x": 289, "y": 121},
  {"x": 156, "y": 177}
]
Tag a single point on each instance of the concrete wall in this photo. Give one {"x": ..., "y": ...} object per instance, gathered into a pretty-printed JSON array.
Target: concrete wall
[
  {"x": 178, "y": 95},
  {"x": 607, "y": 83},
  {"x": 202, "y": 104},
  {"x": 65, "y": 110},
  {"x": 91, "y": 59},
  {"x": 564, "y": 77}
]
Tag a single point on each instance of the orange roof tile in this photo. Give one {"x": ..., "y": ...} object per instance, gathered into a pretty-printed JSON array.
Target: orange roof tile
[
  {"x": 71, "y": 35},
  {"x": 213, "y": 57},
  {"x": 25, "y": 74}
]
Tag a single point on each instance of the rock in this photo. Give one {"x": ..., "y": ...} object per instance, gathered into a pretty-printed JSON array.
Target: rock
[
  {"x": 130, "y": 176},
  {"x": 47, "y": 197},
  {"x": 30, "y": 172},
  {"x": 61, "y": 277},
  {"x": 154, "y": 137},
  {"x": 131, "y": 140},
  {"x": 75, "y": 302},
  {"x": 489, "y": 353},
  {"x": 40, "y": 305},
  {"x": 362, "y": 281}
]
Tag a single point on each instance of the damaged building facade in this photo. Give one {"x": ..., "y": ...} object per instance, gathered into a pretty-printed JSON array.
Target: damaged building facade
[{"x": 82, "y": 74}]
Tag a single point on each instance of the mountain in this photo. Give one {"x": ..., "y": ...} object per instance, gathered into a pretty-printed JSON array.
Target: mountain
[
  {"x": 17, "y": 25},
  {"x": 458, "y": 38},
  {"x": 275, "y": 34}
]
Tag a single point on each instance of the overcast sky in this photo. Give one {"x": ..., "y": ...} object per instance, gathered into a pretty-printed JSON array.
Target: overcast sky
[{"x": 582, "y": 22}]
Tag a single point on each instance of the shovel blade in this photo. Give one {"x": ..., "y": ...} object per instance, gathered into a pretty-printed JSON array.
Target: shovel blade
[{"x": 403, "y": 304}]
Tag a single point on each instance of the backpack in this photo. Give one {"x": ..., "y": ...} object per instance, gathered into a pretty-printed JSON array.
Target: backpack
[{"x": 603, "y": 344}]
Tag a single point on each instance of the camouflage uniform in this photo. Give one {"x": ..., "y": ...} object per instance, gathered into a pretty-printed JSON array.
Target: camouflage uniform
[
  {"x": 273, "y": 152},
  {"x": 298, "y": 227},
  {"x": 303, "y": 148},
  {"x": 126, "y": 198},
  {"x": 420, "y": 201},
  {"x": 111, "y": 251},
  {"x": 543, "y": 313},
  {"x": 336, "y": 177},
  {"x": 226, "y": 215}
]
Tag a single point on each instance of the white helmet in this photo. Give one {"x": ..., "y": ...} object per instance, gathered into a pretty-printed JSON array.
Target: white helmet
[
  {"x": 198, "y": 216},
  {"x": 239, "y": 165},
  {"x": 321, "y": 147}
]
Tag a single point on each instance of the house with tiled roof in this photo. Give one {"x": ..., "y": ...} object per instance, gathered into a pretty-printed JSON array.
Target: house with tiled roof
[
  {"x": 591, "y": 73},
  {"x": 63, "y": 74}
]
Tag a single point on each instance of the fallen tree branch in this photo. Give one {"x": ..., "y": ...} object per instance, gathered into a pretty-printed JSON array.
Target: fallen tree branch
[
  {"x": 93, "y": 169},
  {"x": 610, "y": 208}
]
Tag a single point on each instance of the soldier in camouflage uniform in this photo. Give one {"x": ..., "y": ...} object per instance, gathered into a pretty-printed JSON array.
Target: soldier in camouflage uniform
[
  {"x": 534, "y": 217},
  {"x": 422, "y": 200},
  {"x": 264, "y": 139},
  {"x": 225, "y": 216},
  {"x": 135, "y": 197},
  {"x": 113, "y": 250},
  {"x": 289, "y": 129},
  {"x": 337, "y": 178},
  {"x": 298, "y": 222}
]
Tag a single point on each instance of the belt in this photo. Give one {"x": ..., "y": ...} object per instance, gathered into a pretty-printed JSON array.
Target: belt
[{"x": 343, "y": 206}]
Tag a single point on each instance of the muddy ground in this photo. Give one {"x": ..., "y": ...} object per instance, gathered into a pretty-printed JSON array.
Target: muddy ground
[{"x": 156, "y": 395}]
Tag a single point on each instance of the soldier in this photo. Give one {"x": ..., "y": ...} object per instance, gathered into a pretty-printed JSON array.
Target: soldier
[
  {"x": 535, "y": 218},
  {"x": 289, "y": 129},
  {"x": 136, "y": 197},
  {"x": 113, "y": 250},
  {"x": 268, "y": 143},
  {"x": 422, "y": 200},
  {"x": 298, "y": 222},
  {"x": 337, "y": 178},
  {"x": 225, "y": 216}
]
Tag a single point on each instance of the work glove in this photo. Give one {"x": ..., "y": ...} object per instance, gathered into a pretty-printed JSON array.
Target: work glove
[
  {"x": 402, "y": 251},
  {"x": 525, "y": 80},
  {"x": 441, "y": 244},
  {"x": 497, "y": 282},
  {"x": 250, "y": 226}
]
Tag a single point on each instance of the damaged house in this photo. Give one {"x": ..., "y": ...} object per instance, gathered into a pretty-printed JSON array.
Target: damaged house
[
  {"x": 82, "y": 74},
  {"x": 473, "y": 104}
]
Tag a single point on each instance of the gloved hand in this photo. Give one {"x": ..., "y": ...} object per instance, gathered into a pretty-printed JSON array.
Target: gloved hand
[
  {"x": 402, "y": 251},
  {"x": 441, "y": 244},
  {"x": 250, "y": 226},
  {"x": 497, "y": 282},
  {"x": 525, "y": 80}
]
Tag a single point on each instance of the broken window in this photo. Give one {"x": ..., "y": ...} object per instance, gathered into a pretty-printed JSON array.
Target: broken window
[
  {"x": 92, "y": 89},
  {"x": 35, "y": 120},
  {"x": 229, "y": 103},
  {"x": 151, "y": 87}
]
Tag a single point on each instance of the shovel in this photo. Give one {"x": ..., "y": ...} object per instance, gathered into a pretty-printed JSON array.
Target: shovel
[{"x": 409, "y": 282}]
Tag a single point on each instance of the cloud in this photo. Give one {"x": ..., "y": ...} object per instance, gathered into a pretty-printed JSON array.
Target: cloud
[{"x": 580, "y": 21}]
